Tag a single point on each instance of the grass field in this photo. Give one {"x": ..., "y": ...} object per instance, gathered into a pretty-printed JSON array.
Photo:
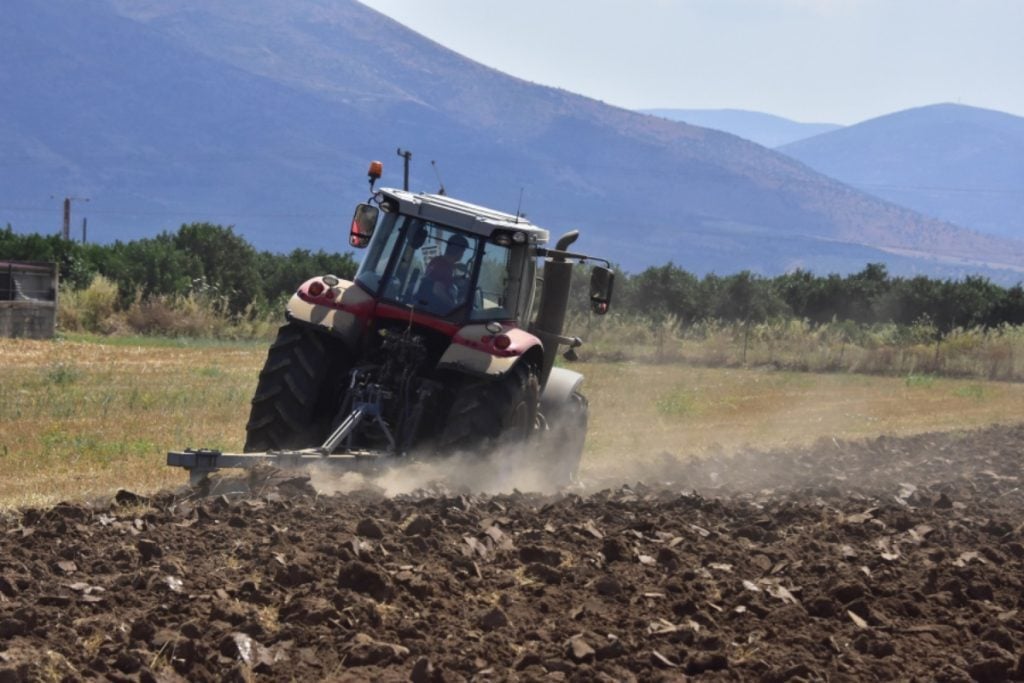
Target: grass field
[{"x": 81, "y": 417}]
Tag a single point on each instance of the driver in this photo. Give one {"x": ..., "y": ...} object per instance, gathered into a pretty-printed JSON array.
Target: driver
[{"x": 440, "y": 271}]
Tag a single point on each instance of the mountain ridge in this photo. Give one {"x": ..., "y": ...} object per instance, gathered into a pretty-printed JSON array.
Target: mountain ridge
[
  {"x": 195, "y": 128},
  {"x": 957, "y": 163},
  {"x": 765, "y": 129}
]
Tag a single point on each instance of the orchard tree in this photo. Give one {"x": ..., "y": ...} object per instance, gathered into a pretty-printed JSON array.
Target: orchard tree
[{"x": 665, "y": 290}]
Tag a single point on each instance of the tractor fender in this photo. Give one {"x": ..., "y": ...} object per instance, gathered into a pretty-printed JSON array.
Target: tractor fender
[
  {"x": 340, "y": 309},
  {"x": 562, "y": 384},
  {"x": 473, "y": 351}
]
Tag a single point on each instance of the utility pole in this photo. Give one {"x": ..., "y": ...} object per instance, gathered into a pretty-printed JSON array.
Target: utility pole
[
  {"x": 66, "y": 228},
  {"x": 85, "y": 223},
  {"x": 66, "y": 231},
  {"x": 406, "y": 156}
]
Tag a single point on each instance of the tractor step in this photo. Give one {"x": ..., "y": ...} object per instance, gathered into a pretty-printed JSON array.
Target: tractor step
[{"x": 200, "y": 462}]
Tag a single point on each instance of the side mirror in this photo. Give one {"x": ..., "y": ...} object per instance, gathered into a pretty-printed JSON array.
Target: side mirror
[
  {"x": 363, "y": 223},
  {"x": 602, "y": 282}
]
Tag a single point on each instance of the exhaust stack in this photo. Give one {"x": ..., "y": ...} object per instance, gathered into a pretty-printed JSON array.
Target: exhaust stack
[{"x": 554, "y": 300}]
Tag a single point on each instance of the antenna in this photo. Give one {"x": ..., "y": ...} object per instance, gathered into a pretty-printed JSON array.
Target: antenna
[
  {"x": 519, "y": 209},
  {"x": 438, "y": 174}
]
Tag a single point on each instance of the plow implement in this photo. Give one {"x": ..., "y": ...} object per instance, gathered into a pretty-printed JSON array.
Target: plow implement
[{"x": 201, "y": 462}]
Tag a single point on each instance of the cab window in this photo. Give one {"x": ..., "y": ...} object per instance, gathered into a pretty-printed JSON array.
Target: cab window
[{"x": 494, "y": 294}]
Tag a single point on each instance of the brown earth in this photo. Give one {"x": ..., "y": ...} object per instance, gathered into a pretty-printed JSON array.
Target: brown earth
[{"x": 882, "y": 560}]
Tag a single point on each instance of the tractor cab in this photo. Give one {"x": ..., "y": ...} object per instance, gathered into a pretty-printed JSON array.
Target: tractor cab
[{"x": 440, "y": 257}]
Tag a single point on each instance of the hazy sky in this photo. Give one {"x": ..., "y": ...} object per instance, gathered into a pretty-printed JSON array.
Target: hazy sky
[{"x": 836, "y": 61}]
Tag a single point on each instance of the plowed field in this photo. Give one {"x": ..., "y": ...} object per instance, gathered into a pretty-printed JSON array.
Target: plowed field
[{"x": 888, "y": 559}]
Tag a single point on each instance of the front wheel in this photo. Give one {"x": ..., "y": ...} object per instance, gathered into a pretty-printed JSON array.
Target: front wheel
[{"x": 563, "y": 440}]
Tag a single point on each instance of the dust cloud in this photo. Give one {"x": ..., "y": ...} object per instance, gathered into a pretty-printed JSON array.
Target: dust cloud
[
  {"x": 535, "y": 466},
  {"x": 796, "y": 437},
  {"x": 829, "y": 462},
  {"x": 501, "y": 470}
]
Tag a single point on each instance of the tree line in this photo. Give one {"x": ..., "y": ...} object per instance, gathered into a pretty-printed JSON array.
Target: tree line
[
  {"x": 212, "y": 260},
  {"x": 200, "y": 258},
  {"x": 868, "y": 297}
]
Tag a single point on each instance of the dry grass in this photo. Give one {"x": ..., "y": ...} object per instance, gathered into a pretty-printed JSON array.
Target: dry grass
[
  {"x": 639, "y": 411},
  {"x": 886, "y": 349},
  {"x": 81, "y": 419}
]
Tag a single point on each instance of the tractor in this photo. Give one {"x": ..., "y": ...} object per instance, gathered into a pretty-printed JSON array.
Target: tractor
[{"x": 444, "y": 342}]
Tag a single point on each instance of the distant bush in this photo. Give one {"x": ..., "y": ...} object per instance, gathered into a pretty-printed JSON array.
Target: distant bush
[
  {"x": 182, "y": 316},
  {"x": 92, "y": 309},
  {"x": 97, "y": 310}
]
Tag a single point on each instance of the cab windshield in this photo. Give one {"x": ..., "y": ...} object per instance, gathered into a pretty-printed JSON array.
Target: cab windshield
[{"x": 437, "y": 270}]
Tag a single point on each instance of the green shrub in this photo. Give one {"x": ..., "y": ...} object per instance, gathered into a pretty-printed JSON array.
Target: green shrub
[{"x": 93, "y": 309}]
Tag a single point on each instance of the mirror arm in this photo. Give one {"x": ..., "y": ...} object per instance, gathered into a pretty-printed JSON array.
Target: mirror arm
[{"x": 582, "y": 258}]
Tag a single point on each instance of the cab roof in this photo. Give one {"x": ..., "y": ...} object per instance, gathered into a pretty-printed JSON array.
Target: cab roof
[{"x": 456, "y": 213}]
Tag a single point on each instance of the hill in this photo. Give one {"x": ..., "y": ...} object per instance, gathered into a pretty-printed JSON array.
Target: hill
[
  {"x": 263, "y": 115},
  {"x": 956, "y": 163},
  {"x": 764, "y": 129}
]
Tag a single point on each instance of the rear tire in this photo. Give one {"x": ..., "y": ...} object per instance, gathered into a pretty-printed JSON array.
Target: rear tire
[
  {"x": 299, "y": 392},
  {"x": 502, "y": 411}
]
